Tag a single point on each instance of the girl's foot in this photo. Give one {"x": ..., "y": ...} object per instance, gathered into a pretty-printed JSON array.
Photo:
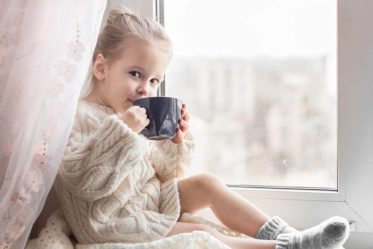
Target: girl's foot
[{"x": 330, "y": 234}]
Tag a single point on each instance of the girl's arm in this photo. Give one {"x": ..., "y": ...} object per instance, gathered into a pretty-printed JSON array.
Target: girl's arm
[
  {"x": 94, "y": 166},
  {"x": 171, "y": 160}
]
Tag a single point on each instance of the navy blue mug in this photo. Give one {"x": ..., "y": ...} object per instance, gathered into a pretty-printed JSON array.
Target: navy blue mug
[{"x": 164, "y": 114}]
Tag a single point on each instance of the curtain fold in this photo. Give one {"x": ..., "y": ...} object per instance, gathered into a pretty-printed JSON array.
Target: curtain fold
[{"x": 45, "y": 53}]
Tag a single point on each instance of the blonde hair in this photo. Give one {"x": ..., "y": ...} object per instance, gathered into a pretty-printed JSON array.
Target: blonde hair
[{"x": 122, "y": 26}]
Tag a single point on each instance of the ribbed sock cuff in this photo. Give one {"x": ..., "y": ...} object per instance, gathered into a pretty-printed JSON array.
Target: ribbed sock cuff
[
  {"x": 285, "y": 241},
  {"x": 272, "y": 228}
]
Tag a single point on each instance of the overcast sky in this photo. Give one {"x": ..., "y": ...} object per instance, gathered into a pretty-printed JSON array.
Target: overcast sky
[{"x": 252, "y": 27}]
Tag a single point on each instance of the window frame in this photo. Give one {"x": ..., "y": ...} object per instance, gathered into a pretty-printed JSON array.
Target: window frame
[{"x": 354, "y": 133}]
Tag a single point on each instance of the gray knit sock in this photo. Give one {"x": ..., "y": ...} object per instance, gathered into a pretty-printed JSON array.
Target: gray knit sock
[
  {"x": 274, "y": 227},
  {"x": 330, "y": 234}
]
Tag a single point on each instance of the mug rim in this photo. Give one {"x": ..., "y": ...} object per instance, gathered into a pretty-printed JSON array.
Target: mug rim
[{"x": 152, "y": 97}]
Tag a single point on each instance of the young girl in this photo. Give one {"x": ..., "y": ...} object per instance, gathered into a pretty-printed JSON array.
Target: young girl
[{"x": 116, "y": 186}]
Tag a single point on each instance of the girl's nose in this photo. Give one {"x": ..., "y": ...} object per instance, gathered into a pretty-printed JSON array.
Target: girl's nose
[{"x": 144, "y": 88}]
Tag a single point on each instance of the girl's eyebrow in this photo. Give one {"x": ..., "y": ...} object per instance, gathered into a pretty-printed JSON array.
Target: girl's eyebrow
[{"x": 136, "y": 67}]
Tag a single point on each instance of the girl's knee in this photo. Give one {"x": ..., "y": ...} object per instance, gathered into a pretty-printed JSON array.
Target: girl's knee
[{"x": 206, "y": 181}]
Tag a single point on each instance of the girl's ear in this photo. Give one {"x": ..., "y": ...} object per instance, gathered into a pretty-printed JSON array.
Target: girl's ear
[{"x": 99, "y": 67}]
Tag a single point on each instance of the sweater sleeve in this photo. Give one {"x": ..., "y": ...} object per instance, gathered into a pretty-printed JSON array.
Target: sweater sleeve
[
  {"x": 94, "y": 166},
  {"x": 171, "y": 160}
]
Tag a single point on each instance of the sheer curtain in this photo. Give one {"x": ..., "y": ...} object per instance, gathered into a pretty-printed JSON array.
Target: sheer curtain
[{"x": 45, "y": 52}]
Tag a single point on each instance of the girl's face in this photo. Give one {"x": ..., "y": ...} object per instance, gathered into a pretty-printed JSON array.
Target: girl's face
[{"x": 136, "y": 74}]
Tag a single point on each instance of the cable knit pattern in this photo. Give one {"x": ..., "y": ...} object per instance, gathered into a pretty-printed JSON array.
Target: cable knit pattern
[
  {"x": 116, "y": 186},
  {"x": 168, "y": 160}
]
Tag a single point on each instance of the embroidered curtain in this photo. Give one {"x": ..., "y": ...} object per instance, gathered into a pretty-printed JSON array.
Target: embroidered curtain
[{"x": 45, "y": 52}]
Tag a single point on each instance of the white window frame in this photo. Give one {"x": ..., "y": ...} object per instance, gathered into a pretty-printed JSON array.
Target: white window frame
[{"x": 353, "y": 199}]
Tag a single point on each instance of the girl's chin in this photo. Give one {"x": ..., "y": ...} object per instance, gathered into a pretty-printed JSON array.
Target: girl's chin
[{"x": 127, "y": 104}]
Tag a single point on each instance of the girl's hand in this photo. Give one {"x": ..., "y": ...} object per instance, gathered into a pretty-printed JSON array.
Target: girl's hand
[
  {"x": 135, "y": 117},
  {"x": 183, "y": 126}
]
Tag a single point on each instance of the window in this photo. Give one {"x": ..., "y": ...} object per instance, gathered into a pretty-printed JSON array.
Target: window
[
  {"x": 304, "y": 208},
  {"x": 259, "y": 78}
]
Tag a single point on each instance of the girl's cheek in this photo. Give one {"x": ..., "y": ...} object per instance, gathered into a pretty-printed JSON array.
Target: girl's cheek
[{"x": 153, "y": 92}]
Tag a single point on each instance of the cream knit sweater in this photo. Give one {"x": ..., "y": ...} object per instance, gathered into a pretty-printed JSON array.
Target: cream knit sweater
[{"x": 116, "y": 186}]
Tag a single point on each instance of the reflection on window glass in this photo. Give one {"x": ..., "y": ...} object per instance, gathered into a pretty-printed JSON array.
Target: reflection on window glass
[{"x": 259, "y": 78}]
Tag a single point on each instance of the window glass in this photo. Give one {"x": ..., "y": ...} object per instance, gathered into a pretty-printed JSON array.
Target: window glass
[{"x": 259, "y": 78}]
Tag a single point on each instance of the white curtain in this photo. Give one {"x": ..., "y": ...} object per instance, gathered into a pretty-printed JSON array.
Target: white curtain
[{"x": 45, "y": 52}]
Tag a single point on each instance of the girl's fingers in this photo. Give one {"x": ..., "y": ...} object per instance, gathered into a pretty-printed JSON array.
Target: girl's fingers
[
  {"x": 142, "y": 110},
  {"x": 178, "y": 137},
  {"x": 185, "y": 115},
  {"x": 184, "y": 126},
  {"x": 147, "y": 121}
]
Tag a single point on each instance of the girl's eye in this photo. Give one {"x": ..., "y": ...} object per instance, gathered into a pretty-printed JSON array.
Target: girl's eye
[
  {"x": 154, "y": 81},
  {"x": 135, "y": 74}
]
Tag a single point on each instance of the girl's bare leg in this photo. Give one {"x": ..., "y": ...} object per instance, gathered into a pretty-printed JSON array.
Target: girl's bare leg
[
  {"x": 204, "y": 190},
  {"x": 232, "y": 242}
]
